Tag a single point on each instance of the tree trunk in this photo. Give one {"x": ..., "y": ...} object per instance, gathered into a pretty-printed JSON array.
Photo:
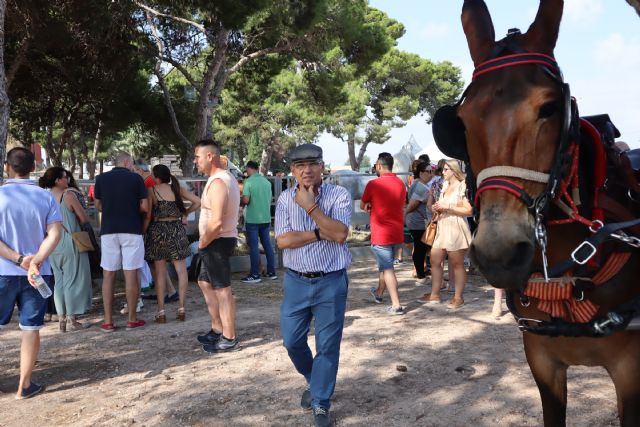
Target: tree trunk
[
  {"x": 97, "y": 141},
  {"x": 81, "y": 168},
  {"x": 213, "y": 76},
  {"x": 4, "y": 98},
  {"x": 186, "y": 162},
  {"x": 50, "y": 148},
  {"x": 101, "y": 165},
  {"x": 363, "y": 150},
  {"x": 72, "y": 160},
  {"x": 353, "y": 161},
  {"x": 267, "y": 154}
]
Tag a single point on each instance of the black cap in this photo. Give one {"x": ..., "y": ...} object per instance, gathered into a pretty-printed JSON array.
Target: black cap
[{"x": 306, "y": 152}]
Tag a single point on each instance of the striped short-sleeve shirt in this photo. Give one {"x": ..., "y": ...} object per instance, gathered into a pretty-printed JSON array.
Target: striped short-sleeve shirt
[{"x": 326, "y": 255}]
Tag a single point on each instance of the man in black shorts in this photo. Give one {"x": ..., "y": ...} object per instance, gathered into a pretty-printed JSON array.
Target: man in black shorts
[{"x": 218, "y": 228}]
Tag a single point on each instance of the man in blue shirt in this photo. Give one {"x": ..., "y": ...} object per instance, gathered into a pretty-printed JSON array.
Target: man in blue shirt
[
  {"x": 30, "y": 227},
  {"x": 312, "y": 224},
  {"x": 122, "y": 197}
]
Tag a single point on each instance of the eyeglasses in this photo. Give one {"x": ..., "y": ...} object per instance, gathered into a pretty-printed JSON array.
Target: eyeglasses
[{"x": 303, "y": 165}]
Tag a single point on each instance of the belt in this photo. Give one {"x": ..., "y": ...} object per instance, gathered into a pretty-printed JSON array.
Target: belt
[
  {"x": 309, "y": 274},
  {"x": 167, "y": 219}
]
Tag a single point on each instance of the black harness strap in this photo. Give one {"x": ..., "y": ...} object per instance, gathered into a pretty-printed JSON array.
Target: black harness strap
[
  {"x": 615, "y": 320},
  {"x": 588, "y": 248}
]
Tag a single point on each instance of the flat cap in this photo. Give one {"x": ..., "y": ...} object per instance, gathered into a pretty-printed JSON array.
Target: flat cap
[{"x": 306, "y": 152}]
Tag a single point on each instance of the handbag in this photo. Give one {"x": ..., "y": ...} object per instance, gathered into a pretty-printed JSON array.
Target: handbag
[
  {"x": 82, "y": 240},
  {"x": 429, "y": 234}
]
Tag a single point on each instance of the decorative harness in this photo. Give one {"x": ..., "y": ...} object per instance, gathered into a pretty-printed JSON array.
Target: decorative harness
[{"x": 557, "y": 293}]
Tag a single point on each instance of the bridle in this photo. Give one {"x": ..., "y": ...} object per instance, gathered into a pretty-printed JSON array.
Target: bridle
[{"x": 497, "y": 177}]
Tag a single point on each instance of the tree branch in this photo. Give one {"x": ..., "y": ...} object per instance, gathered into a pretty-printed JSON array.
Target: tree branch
[
  {"x": 19, "y": 58},
  {"x": 194, "y": 24},
  {"x": 288, "y": 46}
]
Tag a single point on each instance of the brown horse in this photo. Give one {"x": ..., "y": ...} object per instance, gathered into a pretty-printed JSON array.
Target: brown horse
[{"x": 523, "y": 142}]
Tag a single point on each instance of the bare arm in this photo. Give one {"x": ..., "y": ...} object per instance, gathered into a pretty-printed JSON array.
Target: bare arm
[
  {"x": 147, "y": 215},
  {"x": 144, "y": 206},
  {"x": 11, "y": 255},
  {"x": 46, "y": 247},
  {"x": 217, "y": 197},
  {"x": 330, "y": 229},
  {"x": 98, "y": 204},
  {"x": 195, "y": 200},
  {"x": 412, "y": 206},
  {"x": 244, "y": 200},
  {"x": 74, "y": 205},
  {"x": 295, "y": 239}
]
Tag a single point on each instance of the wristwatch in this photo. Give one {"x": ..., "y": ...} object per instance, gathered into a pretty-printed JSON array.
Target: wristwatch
[
  {"x": 317, "y": 231},
  {"x": 19, "y": 261}
]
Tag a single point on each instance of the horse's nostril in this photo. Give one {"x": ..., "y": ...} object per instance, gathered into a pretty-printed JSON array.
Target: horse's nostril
[{"x": 522, "y": 253}]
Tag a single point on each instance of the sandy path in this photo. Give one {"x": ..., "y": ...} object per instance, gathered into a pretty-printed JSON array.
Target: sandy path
[{"x": 463, "y": 368}]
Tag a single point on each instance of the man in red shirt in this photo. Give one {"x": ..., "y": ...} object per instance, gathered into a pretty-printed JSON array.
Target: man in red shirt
[{"x": 384, "y": 199}]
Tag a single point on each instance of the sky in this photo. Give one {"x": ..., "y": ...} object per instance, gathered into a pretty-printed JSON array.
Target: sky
[{"x": 598, "y": 50}]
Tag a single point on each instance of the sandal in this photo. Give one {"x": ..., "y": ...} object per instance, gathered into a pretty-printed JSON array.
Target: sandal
[
  {"x": 74, "y": 325},
  {"x": 161, "y": 317},
  {"x": 181, "y": 316},
  {"x": 429, "y": 299},
  {"x": 455, "y": 303},
  {"x": 63, "y": 324}
]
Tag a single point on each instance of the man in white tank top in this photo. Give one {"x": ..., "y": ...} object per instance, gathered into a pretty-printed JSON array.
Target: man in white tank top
[{"x": 218, "y": 229}]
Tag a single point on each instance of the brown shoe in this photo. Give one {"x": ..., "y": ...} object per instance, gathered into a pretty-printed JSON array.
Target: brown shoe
[
  {"x": 181, "y": 316},
  {"x": 161, "y": 317},
  {"x": 429, "y": 299},
  {"x": 455, "y": 303}
]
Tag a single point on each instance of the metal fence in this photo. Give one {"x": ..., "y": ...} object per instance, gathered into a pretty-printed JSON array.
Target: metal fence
[{"x": 352, "y": 181}]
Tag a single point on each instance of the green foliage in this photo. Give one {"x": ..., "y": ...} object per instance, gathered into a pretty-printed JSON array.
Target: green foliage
[{"x": 84, "y": 66}]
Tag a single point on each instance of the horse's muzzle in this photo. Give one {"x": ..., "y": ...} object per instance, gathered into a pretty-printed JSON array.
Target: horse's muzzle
[{"x": 503, "y": 251}]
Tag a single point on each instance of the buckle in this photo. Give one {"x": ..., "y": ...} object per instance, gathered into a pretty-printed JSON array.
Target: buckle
[{"x": 586, "y": 245}]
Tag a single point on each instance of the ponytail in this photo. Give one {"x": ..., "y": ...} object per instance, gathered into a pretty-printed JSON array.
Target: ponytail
[{"x": 175, "y": 187}]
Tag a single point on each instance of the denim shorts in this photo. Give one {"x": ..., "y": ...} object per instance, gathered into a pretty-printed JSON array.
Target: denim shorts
[
  {"x": 31, "y": 306},
  {"x": 384, "y": 255}
]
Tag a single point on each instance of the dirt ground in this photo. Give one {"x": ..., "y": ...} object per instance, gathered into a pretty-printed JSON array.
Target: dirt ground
[{"x": 463, "y": 368}]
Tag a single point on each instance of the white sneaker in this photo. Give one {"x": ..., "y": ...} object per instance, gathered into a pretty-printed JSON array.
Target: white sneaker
[
  {"x": 139, "y": 306},
  {"x": 422, "y": 282}
]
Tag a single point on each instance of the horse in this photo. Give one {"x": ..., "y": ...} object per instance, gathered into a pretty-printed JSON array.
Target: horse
[{"x": 557, "y": 222}]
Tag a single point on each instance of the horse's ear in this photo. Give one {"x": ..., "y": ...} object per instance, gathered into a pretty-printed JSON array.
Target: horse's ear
[
  {"x": 543, "y": 33},
  {"x": 478, "y": 27}
]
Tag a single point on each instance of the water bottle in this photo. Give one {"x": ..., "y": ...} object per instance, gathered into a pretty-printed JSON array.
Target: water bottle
[{"x": 41, "y": 286}]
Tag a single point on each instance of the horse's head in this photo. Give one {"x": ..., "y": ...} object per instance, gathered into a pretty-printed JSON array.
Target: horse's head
[{"x": 512, "y": 117}]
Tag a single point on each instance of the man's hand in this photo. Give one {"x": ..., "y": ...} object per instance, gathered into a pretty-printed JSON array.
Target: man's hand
[
  {"x": 26, "y": 261},
  {"x": 305, "y": 197},
  {"x": 34, "y": 268},
  {"x": 367, "y": 207}
]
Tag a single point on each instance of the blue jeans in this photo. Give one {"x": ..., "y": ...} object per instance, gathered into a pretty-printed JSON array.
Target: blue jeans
[
  {"x": 31, "y": 306},
  {"x": 255, "y": 231},
  {"x": 324, "y": 298}
]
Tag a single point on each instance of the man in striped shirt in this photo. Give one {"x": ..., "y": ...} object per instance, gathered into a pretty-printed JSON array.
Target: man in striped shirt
[{"x": 312, "y": 224}]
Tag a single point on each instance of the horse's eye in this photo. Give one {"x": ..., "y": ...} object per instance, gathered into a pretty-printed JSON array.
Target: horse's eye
[{"x": 548, "y": 110}]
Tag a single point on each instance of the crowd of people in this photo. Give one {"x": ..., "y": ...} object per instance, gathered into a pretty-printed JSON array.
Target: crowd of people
[{"x": 143, "y": 224}]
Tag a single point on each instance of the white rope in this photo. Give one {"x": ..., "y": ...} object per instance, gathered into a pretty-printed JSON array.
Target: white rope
[{"x": 513, "y": 172}]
